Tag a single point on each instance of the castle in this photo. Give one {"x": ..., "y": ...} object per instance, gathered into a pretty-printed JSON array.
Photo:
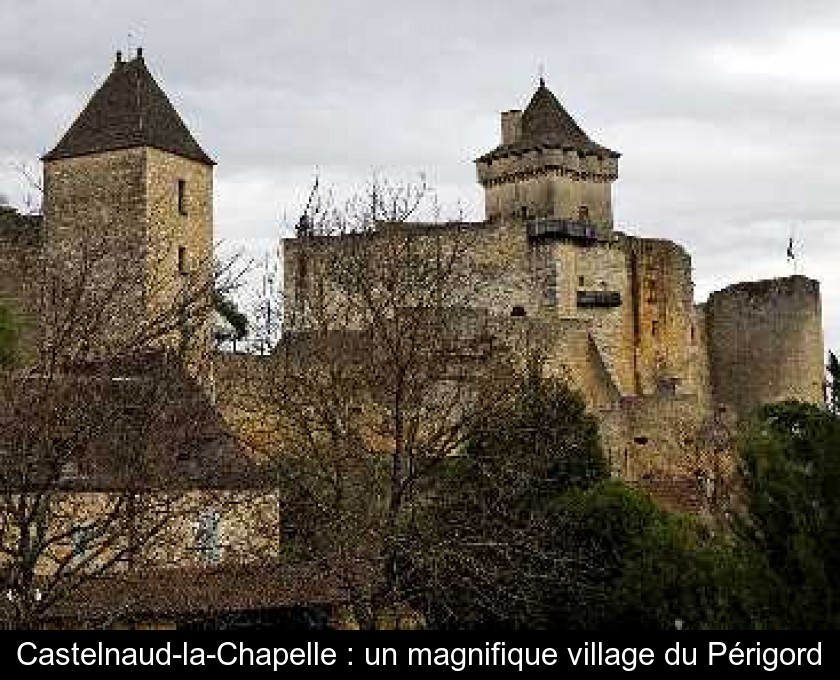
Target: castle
[
  {"x": 616, "y": 311},
  {"x": 129, "y": 189}
]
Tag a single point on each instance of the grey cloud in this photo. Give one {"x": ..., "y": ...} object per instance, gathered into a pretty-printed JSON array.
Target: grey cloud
[{"x": 720, "y": 161}]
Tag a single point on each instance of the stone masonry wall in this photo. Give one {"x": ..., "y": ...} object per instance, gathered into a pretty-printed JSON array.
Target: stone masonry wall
[
  {"x": 174, "y": 229},
  {"x": 21, "y": 271},
  {"x": 549, "y": 183},
  {"x": 95, "y": 217},
  {"x": 662, "y": 315},
  {"x": 117, "y": 214}
]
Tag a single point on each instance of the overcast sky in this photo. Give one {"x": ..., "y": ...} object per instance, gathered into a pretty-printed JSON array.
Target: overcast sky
[{"x": 727, "y": 113}]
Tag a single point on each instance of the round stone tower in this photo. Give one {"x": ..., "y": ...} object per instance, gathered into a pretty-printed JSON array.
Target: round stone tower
[{"x": 765, "y": 343}]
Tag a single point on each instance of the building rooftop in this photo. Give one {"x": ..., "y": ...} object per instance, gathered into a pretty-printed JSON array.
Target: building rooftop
[
  {"x": 547, "y": 125},
  {"x": 128, "y": 110}
]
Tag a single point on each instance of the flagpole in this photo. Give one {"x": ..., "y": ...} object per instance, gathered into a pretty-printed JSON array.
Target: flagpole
[{"x": 791, "y": 255}]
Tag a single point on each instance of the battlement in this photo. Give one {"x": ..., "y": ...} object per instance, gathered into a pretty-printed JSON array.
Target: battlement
[{"x": 751, "y": 292}]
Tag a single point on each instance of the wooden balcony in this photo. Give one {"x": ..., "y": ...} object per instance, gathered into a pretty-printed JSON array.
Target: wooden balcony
[{"x": 598, "y": 298}]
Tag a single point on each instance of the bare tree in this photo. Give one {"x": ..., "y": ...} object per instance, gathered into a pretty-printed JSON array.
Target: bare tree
[
  {"x": 103, "y": 422},
  {"x": 33, "y": 186},
  {"x": 380, "y": 376}
]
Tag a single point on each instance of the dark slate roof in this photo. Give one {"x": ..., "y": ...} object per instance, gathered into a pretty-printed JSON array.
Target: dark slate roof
[
  {"x": 181, "y": 593},
  {"x": 547, "y": 125},
  {"x": 139, "y": 422},
  {"x": 128, "y": 110}
]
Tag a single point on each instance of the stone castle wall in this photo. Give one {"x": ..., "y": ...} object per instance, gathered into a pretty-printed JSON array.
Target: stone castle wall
[
  {"x": 646, "y": 342},
  {"x": 549, "y": 183},
  {"x": 652, "y": 367},
  {"x": 600, "y": 267},
  {"x": 116, "y": 216},
  {"x": 765, "y": 343},
  {"x": 660, "y": 307},
  {"x": 701, "y": 376},
  {"x": 179, "y": 238},
  {"x": 21, "y": 271},
  {"x": 94, "y": 214}
]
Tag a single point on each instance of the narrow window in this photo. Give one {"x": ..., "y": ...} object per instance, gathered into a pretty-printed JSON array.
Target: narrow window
[
  {"x": 580, "y": 282},
  {"x": 290, "y": 530},
  {"x": 182, "y": 196},
  {"x": 81, "y": 537},
  {"x": 651, "y": 287},
  {"x": 69, "y": 472},
  {"x": 182, "y": 260},
  {"x": 654, "y": 328},
  {"x": 208, "y": 536},
  {"x": 583, "y": 214}
]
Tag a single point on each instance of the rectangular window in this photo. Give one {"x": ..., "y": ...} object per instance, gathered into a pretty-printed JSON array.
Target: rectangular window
[
  {"x": 182, "y": 260},
  {"x": 651, "y": 291},
  {"x": 68, "y": 472},
  {"x": 208, "y": 536},
  {"x": 81, "y": 537},
  {"x": 182, "y": 196},
  {"x": 654, "y": 328}
]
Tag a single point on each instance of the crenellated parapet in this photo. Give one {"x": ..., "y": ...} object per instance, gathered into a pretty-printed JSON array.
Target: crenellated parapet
[
  {"x": 546, "y": 163},
  {"x": 547, "y": 167}
]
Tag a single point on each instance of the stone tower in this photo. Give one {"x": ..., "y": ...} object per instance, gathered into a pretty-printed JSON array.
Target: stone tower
[
  {"x": 547, "y": 167},
  {"x": 128, "y": 199},
  {"x": 765, "y": 343}
]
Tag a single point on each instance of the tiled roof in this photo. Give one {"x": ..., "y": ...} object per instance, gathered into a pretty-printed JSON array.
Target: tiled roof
[
  {"x": 153, "y": 428},
  {"x": 547, "y": 125},
  {"x": 128, "y": 110},
  {"x": 179, "y": 593}
]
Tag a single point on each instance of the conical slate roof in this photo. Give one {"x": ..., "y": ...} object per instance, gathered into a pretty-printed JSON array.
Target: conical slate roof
[
  {"x": 547, "y": 125},
  {"x": 128, "y": 110}
]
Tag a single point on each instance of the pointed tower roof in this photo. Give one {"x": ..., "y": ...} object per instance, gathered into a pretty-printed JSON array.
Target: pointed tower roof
[
  {"x": 128, "y": 110},
  {"x": 547, "y": 125}
]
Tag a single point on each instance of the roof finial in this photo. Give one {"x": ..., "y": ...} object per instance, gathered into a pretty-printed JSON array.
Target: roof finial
[
  {"x": 542, "y": 74},
  {"x": 139, "y": 52},
  {"x": 119, "y": 57}
]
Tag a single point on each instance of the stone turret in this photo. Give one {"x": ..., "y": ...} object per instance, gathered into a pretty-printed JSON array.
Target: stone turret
[{"x": 547, "y": 167}]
